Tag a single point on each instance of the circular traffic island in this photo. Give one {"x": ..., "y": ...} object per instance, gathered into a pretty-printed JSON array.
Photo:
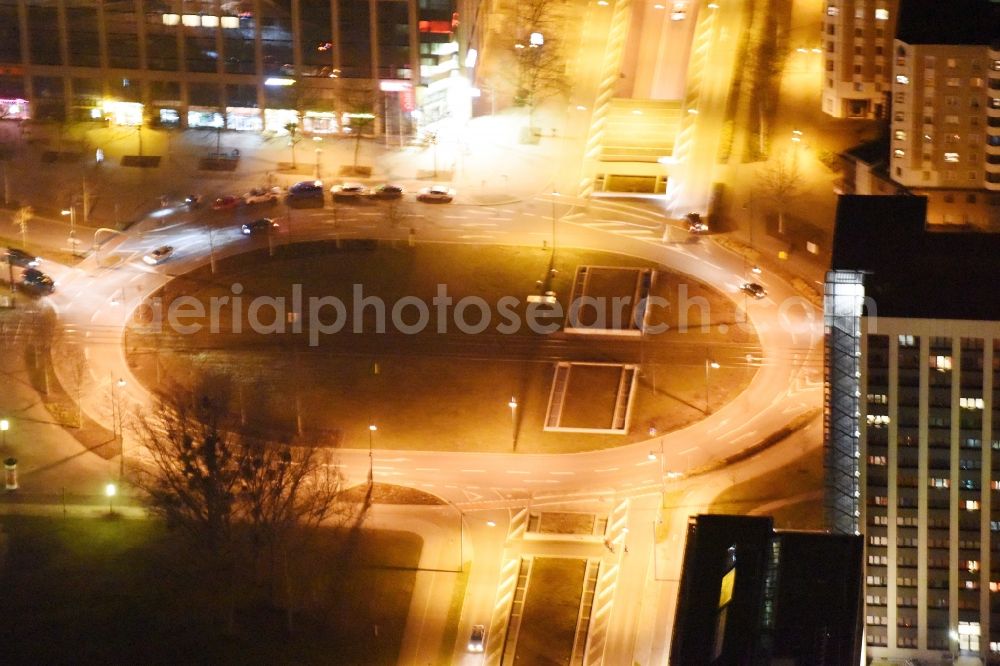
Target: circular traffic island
[{"x": 448, "y": 347}]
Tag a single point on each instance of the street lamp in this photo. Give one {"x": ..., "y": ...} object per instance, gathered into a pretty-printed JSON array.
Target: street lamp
[
  {"x": 116, "y": 424},
  {"x": 110, "y": 491},
  {"x": 4, "y": 427},
  {"x": 71, "y": 212},
  {"x": 319, "y": 153},
  {"x": 371, "y": 456},
  {"x": 513, "y": 421},
  {"x": 709, "y": 365}
]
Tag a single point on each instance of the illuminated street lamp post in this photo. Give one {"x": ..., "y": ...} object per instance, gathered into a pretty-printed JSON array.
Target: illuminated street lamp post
[
  {"x": 4, "y": 427},
  {"x": 71, "y": 213},
  {"x": 709, "y": 365},
  {"x": 513, "y": 421},
  {"x": 110, "y": 491},
  {"x": 116, "y": 423},
  {"x": 371, "y": 455}
]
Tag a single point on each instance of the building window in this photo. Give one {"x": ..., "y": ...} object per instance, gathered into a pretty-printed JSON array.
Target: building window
[
  {"x": 880, "y": 461},
  {"x": 859, "y": 13},
  {"x": 941, "y": 363},
  {"x": 971, "y": 403},
  {"x": 899, "y": 153},
  {"x": 906, "y": 341},
  {"x": 937, "y": 482},
  {"x": 899, "y": 135},
  {"x": 881, "y": 14},
  {"x": 878, "y": 399},
  {"x": 832, "y": 10},
  {"x": 902, "y": 79},
  {"x": 952, "y": 63},
  {"x": 951, "y": 157},
  {"x": 878, "y": 420},
  {"x": 972, "y": 505},
  {"x": 968, "y": 636}
]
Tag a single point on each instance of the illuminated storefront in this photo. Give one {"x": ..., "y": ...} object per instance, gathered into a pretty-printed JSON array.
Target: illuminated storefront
[
  {"x": 320, "y": 122},
  {"x": 122, "y": 113},
  {"x": 14, "y": 109},
  {"x": 275, "y": 120},
  {"x": 243, "y": 119},
  {"x": 199, "y": 116}
]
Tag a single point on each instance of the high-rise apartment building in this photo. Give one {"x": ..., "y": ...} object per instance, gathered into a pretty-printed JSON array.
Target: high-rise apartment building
[
  {"x": 857, "y": 36},
  {"x": 945, "y": 126},
  {"x": 241, "y": 64},
  {"x": 913, "y": 427}
]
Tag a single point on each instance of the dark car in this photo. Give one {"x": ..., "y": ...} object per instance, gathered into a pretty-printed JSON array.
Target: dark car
[
  {"x": 754, "y": 289},
  {"x": 36, "y": 281},
  {"x": 308, "y": 193},
  {"x": 387, "y": 191},
  {"x": 264, "y": 224},
  {"x": 21, "y": 258},
  {"x": 696, "y": 225}
]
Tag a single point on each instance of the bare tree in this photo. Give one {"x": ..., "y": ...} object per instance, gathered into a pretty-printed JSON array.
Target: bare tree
[
  {"x": 293, "y": 130},
  {"x": 782, "y": 182},
  {"x": 231, "y": 492},
  {"x": 22, "y": 216},
  {"x": 533, "y": 30}
]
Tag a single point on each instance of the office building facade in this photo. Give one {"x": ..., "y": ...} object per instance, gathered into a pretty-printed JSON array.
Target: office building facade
[
  {"x": 913, "y": 427},
  {"x": 244, "y": 65}
]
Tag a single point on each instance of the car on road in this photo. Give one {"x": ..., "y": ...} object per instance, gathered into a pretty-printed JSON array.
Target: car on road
[
  {"x": 262, "y": 195},
  {"x": 348, "y": 191},
  {"x": 387, "y": 191},
  {"x": 436, "y": 194},
  {"x": 753, "y": 289},
  {"x": 264, "y": 224},
  {"x": 227, "y": 202},
  {"x": 477, "y": 640},
  {"x": 696, "y": 224},
  {"x": 21, "y": 258},
  {"x": 193, "y": 200},
  {"x": 306, "y": 194},
  {"x": 36, "y": 281},
  {"x": 158, "y": 255}
]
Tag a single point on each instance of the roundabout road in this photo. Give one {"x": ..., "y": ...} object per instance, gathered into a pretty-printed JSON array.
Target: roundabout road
[{"x": 95, "y": 302}]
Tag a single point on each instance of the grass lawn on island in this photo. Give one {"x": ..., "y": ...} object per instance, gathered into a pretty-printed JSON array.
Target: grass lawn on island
[
  {"x": 551, "y": 610},
  {"x": 129, "y": 592},
  {"x": 434, "y": 391}
]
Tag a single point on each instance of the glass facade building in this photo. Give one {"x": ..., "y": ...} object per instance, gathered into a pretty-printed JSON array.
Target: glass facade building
[{"x": 247, "y": 64}]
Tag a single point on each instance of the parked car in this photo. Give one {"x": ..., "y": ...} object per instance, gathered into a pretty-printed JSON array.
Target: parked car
[
  {"x": 754, "y": 289},
  {"x": 436, "y": 194},
  {"x": 696, "y": 224},
  {"x": 33, "y": 280},
  {"x": 227, "y": 202},
  {"x": 158, "y": 255},
  {"x": 307, "y": 188},
  {"x": 262, "y": 195},
  {"x": 264, "y": 224},
  {"x": 348, "y": 191},
  {"x": 477, "y": 640},
  {"x": 387, "y": 191},
  {"x": 21, "y": 258}
]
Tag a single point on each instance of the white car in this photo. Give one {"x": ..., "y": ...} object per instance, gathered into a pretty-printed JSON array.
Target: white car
[
  {"x": 436, "y": 194},
  {"x": 158, "y": 255},
  {"x": 262, "y": 195},
  {"x": 346, "y": 191}
]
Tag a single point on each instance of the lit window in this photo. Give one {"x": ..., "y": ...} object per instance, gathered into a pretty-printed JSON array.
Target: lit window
[
  {"x": 953, "y": 82},
  {"x": 878, "y": 398},
  {"x": 995, "y": 485},
  {"x": 230, "y": 22},
  {"x": 906, "y": 341},
  {"x": 899, "y": 153},
  {"x": 881, "y": 14},
  {"x": 209, "y": 21},
  {"x": 971, "y": 403},
  {"x": 878, "y": 420},
  {"x": 994, "y": 587},
  {"x": 859, "y": 13},
  {"x": 881, "y": 461},
  {"x": 900, "y": 135},
  {"x": 191, "y": 20},
  {"x": 941, "y": 363},
  {"x": 935, "y": 482},
  {"x": 972, "y": 505},
  {"x": 832, "y": 10},
  {"x": 171, "y": 19},
  {"x": 902, "y": 78},
  {"x": 951, "y": 157},
  {"x": 972, "y": 565}
]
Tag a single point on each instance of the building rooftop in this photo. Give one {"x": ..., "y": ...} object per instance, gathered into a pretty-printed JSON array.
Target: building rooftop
[
  {"x": 870, "y": 152},
  {"x": 966, "y": 22},
  {"x": 912, "y": 271}
]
